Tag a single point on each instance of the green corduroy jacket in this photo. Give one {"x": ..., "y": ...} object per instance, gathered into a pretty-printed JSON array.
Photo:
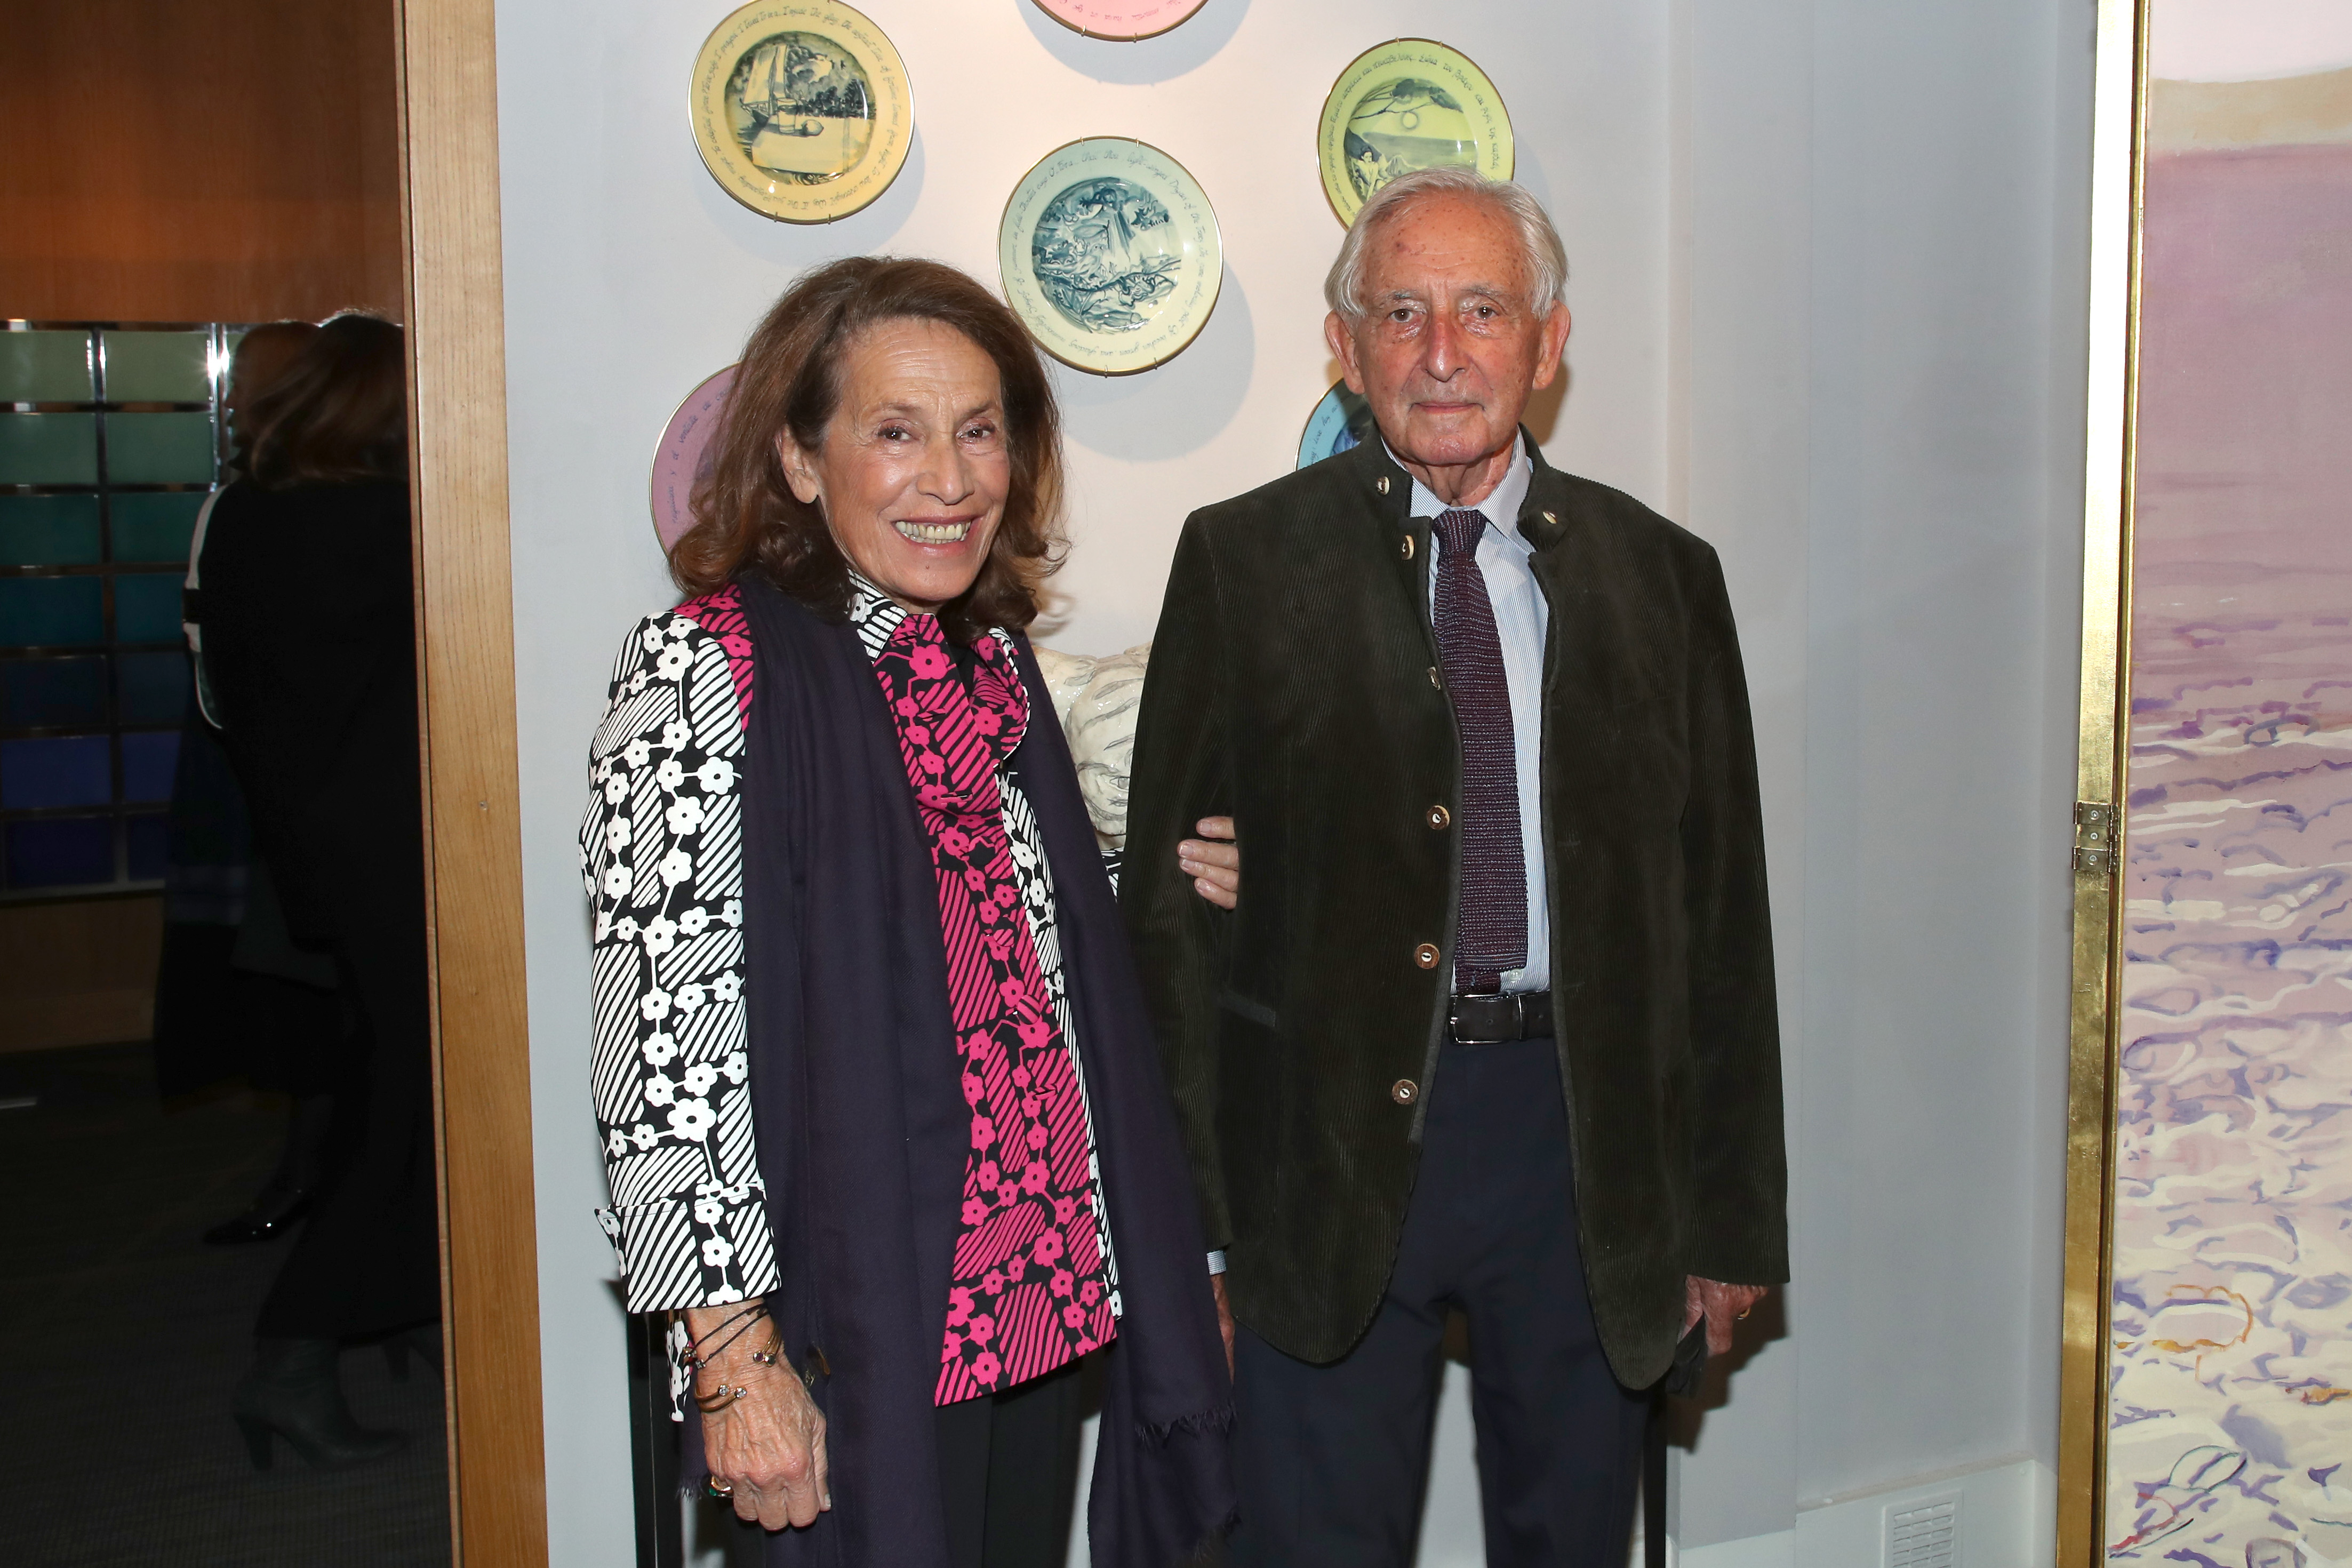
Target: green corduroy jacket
[{"x": 1294, "y": 686}]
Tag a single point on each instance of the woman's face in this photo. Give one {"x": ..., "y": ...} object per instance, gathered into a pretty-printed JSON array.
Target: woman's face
[{"x": 914, "y": 467}]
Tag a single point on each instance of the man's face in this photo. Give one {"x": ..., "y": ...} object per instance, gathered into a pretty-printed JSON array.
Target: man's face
[{"x": 1449, "y": 349}]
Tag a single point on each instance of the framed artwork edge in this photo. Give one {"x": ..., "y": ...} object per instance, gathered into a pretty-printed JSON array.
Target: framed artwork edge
[{"x": 2119, "y": 118}]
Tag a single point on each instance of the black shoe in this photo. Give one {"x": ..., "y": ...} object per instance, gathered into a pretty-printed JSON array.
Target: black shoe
[
  {"x": 293, "y": 1390},
  {"x": 274, "y": 1211}
]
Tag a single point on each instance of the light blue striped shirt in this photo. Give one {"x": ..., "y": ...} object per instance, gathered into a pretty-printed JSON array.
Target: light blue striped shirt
[{"x": 1522, "y": 621}]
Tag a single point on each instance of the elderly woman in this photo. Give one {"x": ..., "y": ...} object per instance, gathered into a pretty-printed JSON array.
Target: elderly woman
[{"x": 884, "y": 1121}]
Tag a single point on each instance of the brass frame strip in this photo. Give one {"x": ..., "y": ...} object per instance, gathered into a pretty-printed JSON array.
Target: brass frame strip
[{"x": 2119, "y": 117}]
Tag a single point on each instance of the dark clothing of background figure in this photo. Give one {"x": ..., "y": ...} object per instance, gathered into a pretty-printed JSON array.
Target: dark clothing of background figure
[
  {"x": 1295, "y": 686},
  {"x": 862, "y": 1152},
  {"x": 221, "y": 1012},
  {"x": 309, "y": 637},
  {"x": 1332, "y": 1461},
  {"x": 1008, "y": 1472}
]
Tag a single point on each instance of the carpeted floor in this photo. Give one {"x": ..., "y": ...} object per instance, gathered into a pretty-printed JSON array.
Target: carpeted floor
[{"x": 121, "y": 1336}]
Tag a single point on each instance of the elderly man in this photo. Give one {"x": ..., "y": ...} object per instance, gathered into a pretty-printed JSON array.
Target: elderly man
[{"x": 1492, "y": 1025}]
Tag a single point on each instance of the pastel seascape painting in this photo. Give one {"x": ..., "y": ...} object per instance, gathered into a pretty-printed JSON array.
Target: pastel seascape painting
[{"x": 2230, "y": 1385}]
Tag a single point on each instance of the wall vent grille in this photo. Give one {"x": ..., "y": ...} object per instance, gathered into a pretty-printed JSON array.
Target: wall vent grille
[{"x": 1924, "y": 1532}]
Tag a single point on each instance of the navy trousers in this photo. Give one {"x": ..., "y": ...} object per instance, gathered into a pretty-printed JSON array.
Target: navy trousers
[{"x": 1332, "y": 1461}]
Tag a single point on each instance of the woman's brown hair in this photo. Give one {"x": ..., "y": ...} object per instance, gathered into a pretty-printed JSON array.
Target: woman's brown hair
[
  {"x": 339, "y": 413},
  {"x": 746, "y": 516}
]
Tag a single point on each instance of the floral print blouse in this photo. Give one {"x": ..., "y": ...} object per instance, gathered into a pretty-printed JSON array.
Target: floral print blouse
[{"x": 661, "y": 857}]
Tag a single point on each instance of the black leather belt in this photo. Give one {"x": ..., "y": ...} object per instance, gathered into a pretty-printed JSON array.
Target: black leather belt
[{"x": 1491, "y": 1020}]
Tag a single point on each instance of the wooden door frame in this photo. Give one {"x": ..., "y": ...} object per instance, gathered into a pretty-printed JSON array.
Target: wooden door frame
[
  {"x": 457, "y": 430},
  {"x": 2119, "y": 118}
]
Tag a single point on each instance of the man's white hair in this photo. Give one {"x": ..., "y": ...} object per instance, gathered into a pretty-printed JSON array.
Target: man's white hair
[{"x": 1545, "y": 258}]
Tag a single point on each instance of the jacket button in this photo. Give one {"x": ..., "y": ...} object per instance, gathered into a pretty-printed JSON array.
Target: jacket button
[
  {"x": 1382, "y": 484},
  {"x": 1433, "y": 680},
  {"x": 1404, "y": 547},
  {"x": 1426, "y": 955},
  {"x": 1552, "y": 519},
  {"x": 1439, "y": 817},
  {"x": 1404, "y": 1091}
]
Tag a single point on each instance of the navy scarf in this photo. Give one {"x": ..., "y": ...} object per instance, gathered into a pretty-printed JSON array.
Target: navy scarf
[{"x": 862, "y": 1128}]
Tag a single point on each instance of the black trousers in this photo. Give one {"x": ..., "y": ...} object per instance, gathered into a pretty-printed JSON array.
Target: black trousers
[
  {"x": 1332, "y": 1461},
  {"x": 1009, "y": 1473}
]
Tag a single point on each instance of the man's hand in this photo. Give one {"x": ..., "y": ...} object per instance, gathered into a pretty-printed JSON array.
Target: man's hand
[
  {"x": 768, "y": 1447},
  {"x": 1213, "y": 862},
  {"x": 1720, "y": 1305},
  {"x": 1224, "y": 1318}
]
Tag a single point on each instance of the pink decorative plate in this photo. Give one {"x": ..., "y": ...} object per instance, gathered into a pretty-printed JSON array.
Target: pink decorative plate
[
  {"x": 683, "y": 455},
  {"x": 1121, "y": 20}
]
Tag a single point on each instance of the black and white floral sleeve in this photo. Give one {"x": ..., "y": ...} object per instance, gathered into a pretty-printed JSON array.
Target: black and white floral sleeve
[{"x": 661, "y": 854}]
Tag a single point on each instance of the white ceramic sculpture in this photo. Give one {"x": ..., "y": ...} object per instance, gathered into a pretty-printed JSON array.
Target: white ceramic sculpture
[{"x": 1097, "y": 697}]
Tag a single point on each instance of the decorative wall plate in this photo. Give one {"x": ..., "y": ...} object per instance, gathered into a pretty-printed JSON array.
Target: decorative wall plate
[
  {"x": 1340, "y": 420},
  {"x": 1110, "y": 255},
  {"x": 1404, "y": 105},
  {"x": 1120, "y": 19},
  {"x": 683, "y": 455},
  {"x": 800, "y": 108}
]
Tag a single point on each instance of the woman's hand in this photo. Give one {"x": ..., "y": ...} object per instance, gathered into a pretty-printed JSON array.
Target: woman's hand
[
  {"x": 1213, "y": 862},
  {"x": 768, "y": 1445}
]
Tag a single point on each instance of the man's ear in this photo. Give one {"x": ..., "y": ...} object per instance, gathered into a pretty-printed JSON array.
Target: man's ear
[
  {"x": 1343, "y": 345},
  {"x": 798, "y": 471},
  {"x": 1555, "y": 344}
]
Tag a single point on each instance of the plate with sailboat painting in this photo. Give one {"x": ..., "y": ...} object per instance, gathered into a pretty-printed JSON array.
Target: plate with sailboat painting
[
  {"x": 1110, "y": 255},
  {"x": 1404, "y": 105},
  {"x": 1120, "y": 19},
  {"x": 801, "y": 110}
]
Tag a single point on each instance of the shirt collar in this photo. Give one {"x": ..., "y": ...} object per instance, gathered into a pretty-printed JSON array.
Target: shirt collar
[{"x": 1501, "y": 507}]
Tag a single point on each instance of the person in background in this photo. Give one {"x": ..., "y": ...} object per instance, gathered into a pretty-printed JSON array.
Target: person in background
[
  {"x": 882, "y": 1115},
  {"x": 233, "y": 998},
  {"x": 1492, "y": 1023},
  {"x": 310, "y": 641}
]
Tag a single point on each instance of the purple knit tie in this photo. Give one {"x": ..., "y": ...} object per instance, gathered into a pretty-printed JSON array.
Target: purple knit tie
[{"x": 1494, "y": 935}]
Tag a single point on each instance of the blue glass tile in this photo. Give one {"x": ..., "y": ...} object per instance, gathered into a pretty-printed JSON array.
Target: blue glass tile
[
  {"x": 147, "y": 607},
  {"x": 147, "y": 761},
  {"x": 65, "y": 770},
  {"x": 48, "y": 449},
  {"x": 158, "y": 367},
  {"x": 151, "y": 687},
  {"x": 61, "y": 852},
  {"x": 45, "y": 367},
  {"x": 51, "y": 611},
  {"x": 49, "y": 530},
  {"x": 155, "y": 527},
  {"x": 158, "y": 448},
  {"x": 149, "y": 845},
  {"x": 53, "y": 693}
]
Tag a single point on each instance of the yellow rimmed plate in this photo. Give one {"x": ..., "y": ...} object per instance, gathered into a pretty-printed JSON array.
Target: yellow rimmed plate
[
  {"x": 1408, "y": 104},
  {"x": 800, "y": 109},
  {"x": 1110, "y": 255}
]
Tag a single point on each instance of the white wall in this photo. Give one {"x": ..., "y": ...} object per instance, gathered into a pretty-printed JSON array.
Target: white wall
[{"x": 1824, "y": 312}]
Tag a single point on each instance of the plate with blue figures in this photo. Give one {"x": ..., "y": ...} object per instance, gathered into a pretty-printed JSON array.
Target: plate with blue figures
[
  {"x": 1404, "y": 105},
  {"x": 1110, "y": 255},
  {"x": 1340, "y": 421},
  {"x": 800, "y": 109}
]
